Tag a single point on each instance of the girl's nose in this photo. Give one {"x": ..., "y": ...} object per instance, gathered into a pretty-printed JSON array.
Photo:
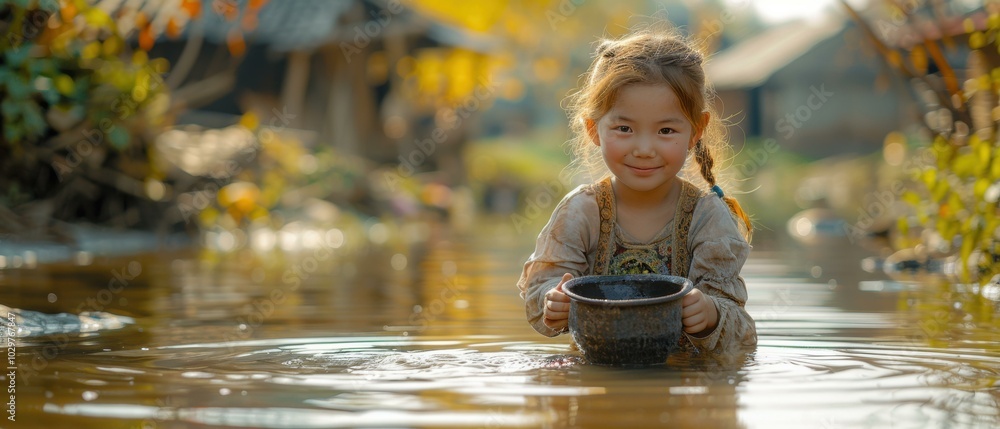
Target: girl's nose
[{"x": 643, "y": 148}]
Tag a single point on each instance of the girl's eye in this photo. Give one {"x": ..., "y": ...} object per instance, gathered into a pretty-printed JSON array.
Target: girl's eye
[
  {"x": 667, "y": 131},
  {"x": 624, "y": 128}
]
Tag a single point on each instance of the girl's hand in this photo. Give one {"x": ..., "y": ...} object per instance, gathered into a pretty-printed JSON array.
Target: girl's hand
[
  {"x": 700, "y": 314},
  {"x": 557, "y": 306}
]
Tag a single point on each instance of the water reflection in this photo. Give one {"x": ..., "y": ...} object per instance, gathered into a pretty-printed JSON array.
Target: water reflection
[{"x": 440, "y": 341}]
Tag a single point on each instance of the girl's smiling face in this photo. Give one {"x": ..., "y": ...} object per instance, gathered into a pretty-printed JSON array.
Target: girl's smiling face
[{"x": 645, "y": 137}]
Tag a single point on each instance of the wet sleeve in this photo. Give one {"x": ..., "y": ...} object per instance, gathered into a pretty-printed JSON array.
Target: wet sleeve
[
  {"x": 562, "y": 247},
  {"x": 718, "y": 253}
]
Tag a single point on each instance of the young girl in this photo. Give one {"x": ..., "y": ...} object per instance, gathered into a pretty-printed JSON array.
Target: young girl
[{"x": 644, "y": 108}]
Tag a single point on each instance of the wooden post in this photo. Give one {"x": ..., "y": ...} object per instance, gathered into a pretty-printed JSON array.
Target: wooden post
[{"x": 293, "y": 90}]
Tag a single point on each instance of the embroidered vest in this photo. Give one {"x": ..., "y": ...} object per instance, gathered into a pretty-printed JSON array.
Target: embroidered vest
[{"x": 679, "y": 257}]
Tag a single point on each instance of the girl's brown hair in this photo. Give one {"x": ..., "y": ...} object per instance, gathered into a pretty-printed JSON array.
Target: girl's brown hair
[{"x": 643, "y": 58}]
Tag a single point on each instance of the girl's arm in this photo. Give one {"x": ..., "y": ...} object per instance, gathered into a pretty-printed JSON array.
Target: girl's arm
[
  {"x": 562, "y": 247},
  {"x": 718, "y": 252}
]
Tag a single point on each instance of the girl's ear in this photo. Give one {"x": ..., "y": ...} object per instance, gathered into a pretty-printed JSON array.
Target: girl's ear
[
  {"x": 705, "y": 117},
  {"x": 591, "y": 126}
]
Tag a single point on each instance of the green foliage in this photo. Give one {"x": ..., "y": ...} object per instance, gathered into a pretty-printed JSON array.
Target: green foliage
[
  {"x": 67, "y": 77},
  {"x": 956, "y": 194}
]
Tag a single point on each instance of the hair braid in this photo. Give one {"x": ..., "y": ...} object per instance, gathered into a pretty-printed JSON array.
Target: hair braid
[{"x": 706, "y": 162}]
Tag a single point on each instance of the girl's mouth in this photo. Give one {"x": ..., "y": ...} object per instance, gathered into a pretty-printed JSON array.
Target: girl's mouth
[{"x": 642, "y": 171}]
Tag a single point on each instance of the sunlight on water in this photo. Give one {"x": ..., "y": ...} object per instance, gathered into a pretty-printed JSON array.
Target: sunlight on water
[{"x": 444, "y": 344}]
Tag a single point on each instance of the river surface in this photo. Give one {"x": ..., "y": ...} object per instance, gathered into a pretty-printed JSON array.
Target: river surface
[{"x": 352, "y": 334}]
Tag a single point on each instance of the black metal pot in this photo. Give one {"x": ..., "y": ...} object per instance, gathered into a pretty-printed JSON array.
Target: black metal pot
[{"x": 631, "y": 320}]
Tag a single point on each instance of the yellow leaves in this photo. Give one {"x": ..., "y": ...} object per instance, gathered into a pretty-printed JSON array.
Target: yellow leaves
[
  {"x": 239, "y": 198},
  {"x": 983, "y": 152},
  {"x": 90, "y": 51},
  {"x": 473, "y": 15},
  {"x": 942, "y": 151},
  {"x": 208, "y": 215},
  {"x": 140, "y": 92},
  {"x": 979, "y": 190},
  {"x": 159, "y": 65},
  {"x": 461, "y": 68},
  {"x": 945, "y": 228},
  {"x": 995, "y": 168},
  {"x": 977, "y": 40},
  {"x": 955, "y": 204},
  {"x": 929, "y": 177},
  {"x": 112, "y": 46},
  {"x": 285, "y": 152},
  {"x": 250, "y": 121},
  {"x": 443, "y": 75},
  {"x": 968, "y": 25},
  {"x": 984, "y": 82},
  {"x": 64, "y": 84},
  {"x": 140, "y": 58},
  {"x": 273, "y": 185},
  {"x": 430, "y": 71},
  {"x": 965, "y": 165},
  {"x": 903, "y": 226},
  {"x": 96, "y": 17},
  {"x": 918, "y": 57},
  {"x": 911, "y": 197},
  {"x": 259, "y": 213},
  {"x": 973, "y": 229},
  {"x": 940, "y": 190}
]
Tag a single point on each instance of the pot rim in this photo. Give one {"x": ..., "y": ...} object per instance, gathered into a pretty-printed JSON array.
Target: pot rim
[{"x": 686, "y": 286}]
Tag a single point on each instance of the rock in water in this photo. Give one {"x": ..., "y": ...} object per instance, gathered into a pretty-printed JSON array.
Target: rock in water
[{"x": 33, "y": 323}]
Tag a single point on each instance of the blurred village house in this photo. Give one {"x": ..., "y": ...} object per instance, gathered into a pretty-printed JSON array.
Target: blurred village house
[
  {"x": 818, "y": 91},
  {"x": 375, "y": 81},
  {"x": 811, "y": 87}
]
